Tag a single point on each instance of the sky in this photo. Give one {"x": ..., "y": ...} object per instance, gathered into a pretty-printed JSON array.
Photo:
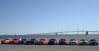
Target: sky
[{"x": 44, "y": 16}]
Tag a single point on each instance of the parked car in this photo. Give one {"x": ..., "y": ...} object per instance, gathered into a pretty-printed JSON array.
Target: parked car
[
  {"x": 93, "y": 42},
  {"x": 6, "y": 41},
  {"x": 42, "y": 42},
  {"x": 52, "y": 42},
  {"x": 73, "y": 42},
  {"x": 15, "y": 41},
  {"x": 3, "y": 41},
  {"x": 62, "y": 42},
  {"x": 83, "y": 42},
  {"x": 32, "y": 41},
  {"x": 22, "y": 41}
]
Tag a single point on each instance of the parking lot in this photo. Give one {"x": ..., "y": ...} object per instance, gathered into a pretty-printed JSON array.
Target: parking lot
[{"x": 11, "y": 47}]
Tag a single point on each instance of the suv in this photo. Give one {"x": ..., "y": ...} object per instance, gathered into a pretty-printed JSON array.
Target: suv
[
  {"x": 93, "y": 42},
  {"x": 32, "y": 41}
]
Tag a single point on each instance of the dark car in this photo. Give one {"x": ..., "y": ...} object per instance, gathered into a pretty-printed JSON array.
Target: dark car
[
  {"x": 52, "y": 42},
  {"x": 22, "y": 41},
  {"x": 83, "y": 42},
  {"x": 62, "y": 42},
  {"x": 93, "y": 42},
  {"x": 32, "y": 41},
  {"x": 73, "y": 42}
]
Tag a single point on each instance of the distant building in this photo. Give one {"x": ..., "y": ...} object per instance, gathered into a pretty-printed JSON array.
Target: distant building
[
  {"x": 86, "y": 32},
  {"x": 56, "y": 33}
]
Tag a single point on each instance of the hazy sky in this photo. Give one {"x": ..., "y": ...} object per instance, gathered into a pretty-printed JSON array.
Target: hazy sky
[{"x": 40, "y": 16}]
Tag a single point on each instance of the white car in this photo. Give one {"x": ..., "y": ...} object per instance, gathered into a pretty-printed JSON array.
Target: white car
[
  {"x": 0, "y": 42},
  {"x": 73, "y": 42},
  {"x": 83, "y": 42}
]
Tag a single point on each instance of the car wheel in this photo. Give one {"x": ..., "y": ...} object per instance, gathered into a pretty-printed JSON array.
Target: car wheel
[{"x": 96, "y": 43}]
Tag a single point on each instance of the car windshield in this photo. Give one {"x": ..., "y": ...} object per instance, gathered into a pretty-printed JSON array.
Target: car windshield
[
  {"x": 52, "y": 39},
  {"x": 14, "y": 39},
  {"x": 82, "y": 40},
  {"x": 6, "y": 39},
  {"x": 23, "y": 39},
  {"x": 92, "y": 40}
]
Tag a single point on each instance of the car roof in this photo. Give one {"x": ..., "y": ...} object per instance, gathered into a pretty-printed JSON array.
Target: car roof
[
  {"x": 52, "y": 39},
  {"x": 62, "y": 39},
  {"x": 23, "y": 39},
  {"x": 92, "y": 39},
  {"x": 15, "y": 39},
  {"x": 32, "y": 39}
]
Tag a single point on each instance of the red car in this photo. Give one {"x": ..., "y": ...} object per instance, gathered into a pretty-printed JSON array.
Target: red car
[
  {"x": 42, "y": 42},
  {"x": 15, "y": 41},
  {"x": 62, "y": 42}
]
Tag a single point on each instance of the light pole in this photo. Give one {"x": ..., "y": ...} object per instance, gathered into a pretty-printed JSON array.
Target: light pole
[
  {"x": 77, "y": 31},
  {"x": 5, "y": 36},
  {"x": 15, "y": 36}
]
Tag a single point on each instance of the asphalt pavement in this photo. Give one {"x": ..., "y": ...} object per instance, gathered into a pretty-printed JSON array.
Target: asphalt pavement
[{"x": 10, "y": 47}]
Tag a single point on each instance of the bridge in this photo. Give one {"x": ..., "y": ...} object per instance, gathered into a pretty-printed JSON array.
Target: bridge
[{"x": 71, "y": 32}]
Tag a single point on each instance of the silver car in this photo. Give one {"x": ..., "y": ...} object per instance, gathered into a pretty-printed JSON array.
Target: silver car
[
  {"x": 83, "y": 42},
  {"x": 73, "y": 42}
]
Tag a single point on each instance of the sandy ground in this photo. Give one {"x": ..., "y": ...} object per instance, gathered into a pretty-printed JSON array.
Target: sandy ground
[{"x": 7, "y": 47}]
